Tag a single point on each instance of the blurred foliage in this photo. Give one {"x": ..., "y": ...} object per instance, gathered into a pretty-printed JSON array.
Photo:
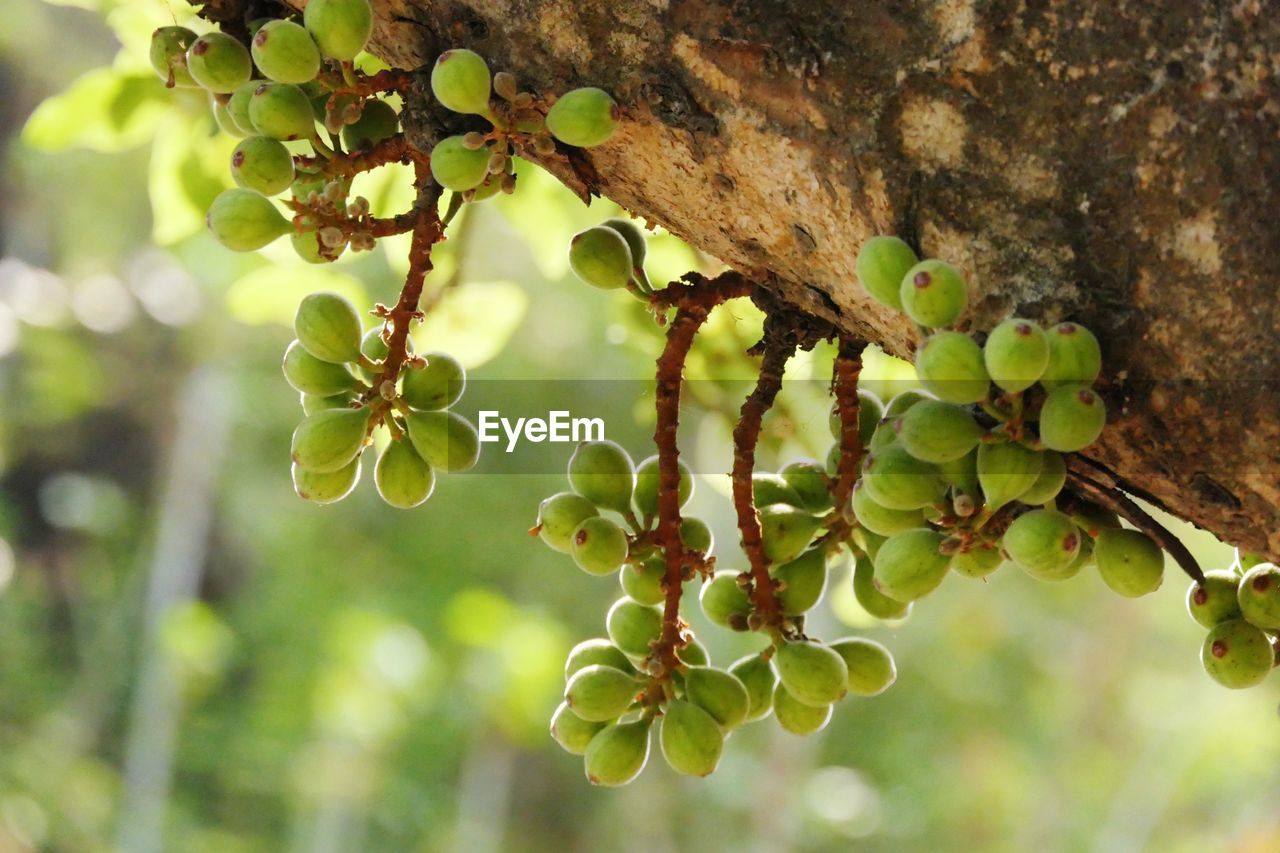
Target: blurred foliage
[{"x": 195, "y": 660}]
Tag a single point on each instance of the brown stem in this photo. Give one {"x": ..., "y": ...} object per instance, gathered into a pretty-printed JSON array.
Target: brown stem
[
  {"x": 364, "y": 85},
  {"x": 394, "y": 149},
  {"x": 848, "y": 366}
]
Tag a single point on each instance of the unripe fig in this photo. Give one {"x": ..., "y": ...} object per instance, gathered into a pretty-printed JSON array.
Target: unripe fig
[
  {"x": 1093, "y": 519},
  {"x": 559, "y": 516},
  {"x": 633, "y": 626},
  {"x": 883, "y": 262},
  {"x": 795, "y": 716},
  {"x": 938, "y": 432},
  {"x": 882, "y": 520},
  {"x": 895, "y": 479},
  {"x": 583, "y": 117},
  {"x": 617, "y": 753},
  {"x": 457, "y": 167},
  {"x": 804, "y": 580},
  {"x": 374, "y": 348},
  {"x": 1214, "y": 601},
  {"x": 599, "y": 546},
  {"x": 461, "y": 82},
  {"x": 1042, "y": 542},
  {"x": 312, "y": 404},
  {"x": 404, "y": 479},
  {"x": 693, "y": 653},
  {"x": 719, "y": 693},
  {"x": 1129, "y": 562},
  {"x": 285, "y": 52},
  {"x": 691, "y": 741},
  {"x": 328, "y": 486},
  {"x": 603, "y": 473},
  {"x": 310, "y": 375},
  {"x": 1259, "y": 596},
  {"x": 757, "y": 676},
  {"x": 637, "y": 240},
  {"x": 647, "y": 478},
  {"x": 696, "y": 535},
  {"x": 724, "y": 602},
  {"x": 243, "y": 220},
  {"x": 962, "y": 474},
  {"x": 809, "y": 481},
  {"x": 1237, "y": 654},
  {"x": 812, "y": 673},
  {"x": 901, "y": 403},
  {"x": 770, "y": 489},
  {"x": 169, "y": 56},
  {"x": 281, "y": 111},
  {"x": 307, "y": 245},
  {"x": 238, "y": 107},
  {"x": 446, "y": 440},
  {"x": 871, "y": 667},
  {"x": 222, "y": 115},
  {"x": 218, "y": 62},
  {"x": 1006, "y": 471},
  {"x": 596, "y": 651},
  {"x": 872, "y": 599},
  {"x": 1074, "y": 357},
  {"x": 1072, "y": 418},
  {"x": 341, "y": 28},
  {"x": 328, "y": 327},
  {"x": 1049, "y": 482},
  {"x": 643, "y": 581},
  {"x": 262, "y": 165},
  {"x": 571, "y": 731},
  {"x": 951, "y": 367},
  {"x": 599, "y": 693},
  {"x": 329, "y": 440},
  {"x": 600, "y": 257},
  {"x": 1016, "y": 354},
  {"x": 436, "y": 386},
  {"x": 378, "y": 121},
  {"x": 933, "y": 294},
  {"x": 786, "y": 531},
  {"x": 977, "y": 562},
  {"x": 910, "y": 565}
]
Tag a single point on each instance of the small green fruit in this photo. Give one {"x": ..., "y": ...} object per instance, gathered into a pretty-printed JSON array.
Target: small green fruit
[
  {"x": 804, "y": 580},
  {"x": 1042, "y": 542},
  {"x": 1049, "y": 482},
  {"x": 583, "y": 117},
  {"x": 693, "y": 653},
  {"x": 220, "y": 104},
  {"x": 962, "y": 474},
  {"x": 691, "y": 741},
  {"x": 600, "y": 257},
  {"x": 910, "y": 565},
  {"x": 938, "y": 432},
  {"x": 312, "y": 404},
  {"x": 895, "y": 479},
  {"x": 637, "y": 239},
  {"x": 596, "y": 651},
  {"x": 310, "y": 375},
  {"x": 262, "y": 165},
  {"x": 770, "y": 490},
  {"x": 977, "y": 562},
  {"x": 1016, "y": 354},
  {"x": 599, "y": 546},
  {"x": 756, "y": 675},
  {"x": 374, "y": 348},
  {"x": 1006, "y": 471},
  {"x": 647, "y": 479},
  {"x": 238, "y": 107},
  {"x": 1237, "y": 654},
  {"x": 1214, "y": 601},
  {"x": 882, "y": 520},
  {"x": 571, "y": 731},
  {"x": 875, "y": 602},
  {"x": 1072, "y": 418},
  {"x": 328, "y": 327},
  {"x": 285, "y": 52},
  {"x": 461, "y": 82},
  {"x": 281, "y": 111},
  {"x": 1129, "y": 562},
  {"x": 951, "y": 366},
  {"x": 902, "y": 403},
  {"x": 871, "y": 668},
  {"x": 559, "y": 516},
  {"x": 436, "y": 386},
  {"x": 603, "y": 473},
  {"x": 809, "y": 481},
  {"x": 795, "y": 716},
  {"x": 244, "y": 221},
  {"x": 1093, "y": 519},
  {"x": 883, "y": 262},
  {"x": 446, "y": 440},
  {"x": 812, "y": 673},
  {"x": 218, "y": 62},
  {"x": 933, "y": 294},
  {"x": 1074, "y": 357},
  {"x": 404, "y": 479},
  {"x": 1259, "y": 596},
  {"x": 378, "y": 121},
  {"x": 329, "y": 440},
  {"x": 617, "y": 753},
  {"x": 696, "y": 535},
  {"x": 169, "y": 47},
  {"x": 599, "y": 693},
  {"x": 307, "y": 245},
  {"x": 328, "y": 486},
  {"x": 457, "y": 167},
  {"x": 643, "y": 581},
  {"x": 719, "y": 693},
  {"x": 633, "y": 626},
  {"x": 341, "y": 28},
  {"x": 724, "y": 602},
  {"x": 786, "y": 531}
]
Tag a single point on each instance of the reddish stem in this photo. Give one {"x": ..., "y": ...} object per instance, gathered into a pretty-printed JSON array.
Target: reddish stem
[{"x": 848, "y": 366}]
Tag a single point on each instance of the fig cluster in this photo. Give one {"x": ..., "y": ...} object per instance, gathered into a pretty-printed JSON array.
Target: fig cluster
[
  {"x": 611, "y": 256},
  {"x": 1240, "y": 606}
]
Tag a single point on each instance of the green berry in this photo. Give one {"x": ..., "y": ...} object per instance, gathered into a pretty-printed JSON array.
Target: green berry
[
  {"x": 938, "y": 432},
  {"x": 1006, "y": 471},
  {"x": 719, "y": 693},
  {"x": 809, "y": 481},
  {"x": 691, "y": 741},
  {"x": 962, "y": 474},
  {"x": 643, "y": 581},
  {"x": 446, "y": 440},
  {"x": 599, "y": 546},
  {"x": 238, "y": 107},
  {"x": 1072, "y": 418},
  {"x": 559, "y": 516},
  {"x": 218, "y": 62},
  {"x": 724, "y": 602},
  {"x": 603, "y": 473},
  {"x": 461, "y": 82},
  {"x": 883, "y": 262},
  {"x": 312, "y": 404},
  {"x": 436, "y": 386},
  {"x": 871, "y": 668},
  {"x": 804, "y": 580},
  {"x": 1129, "y": 562},
  {"x": 457, "y": 167},
  {"x": 374, "y": 348},
  {"x": 795, "y": 716},
  {"x": 404, "y": 479},
  {"x": 1093, "y": 519},
  {"x": 770, "y": 489},
  {"x": 933, "y": 294},
  {"x": 169, "y": 47},
  {"x": 329, "y": 440},
  {"x": 600, "y": 257},
  {"x": 1214, "y": 601},
  {"x": 583, "y": 117},
  {"x": 756, "y": 675},
  {"x": 243, "y": 220},
  {"x": 1016, "y": 354},
  {"x": 875, "y": 602},
  {"x": 633, "y": 626},
  {"x": 599, "y": 693},
  {"x": 693, "y": 653},
  {"x": 341, "y": 28},
  {"x": 977, "y": 562},
  {"x": 221, "y": 106},
  {"x": 282, "y": 111},
  {"x": 902, "y": 403},
  {"x": 911, "y": 565},
  {"x": 895, "y": 479},
  {"x": 328, "y": 327},
  {"x": 262, "y": 165},
  {"x": 307, "y": 245},
  {"x": 325, "y": 487},
  {"x": 1049, "y": 482},
  {"x": 378, "y": 121},
  {"x": 596, "y": 651},
  {"x": 637, "y": 240},
  {"x": 285, "y": 52},
  {"x": 1042, "y": 542},
  {"x": 882, "y": 520},
  {"x": 812, "y": 673},
  {"x": 1074, "y": 357},
  {"x": 310, "y": 375},
  {"x": 1259, "y": 596},
  {"x": 646, "y": 493},
  {"x": 617, "y": 753},
  {"x": 696, "y": 535},
  {"x": 950, "y": 365},
  {"x": 786, "y": 531},
  {"x": 571, "y": 731},
  {"x": 1237, "y": 654}
]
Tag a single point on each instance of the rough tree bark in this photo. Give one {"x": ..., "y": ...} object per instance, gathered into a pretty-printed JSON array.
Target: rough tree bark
[{"x": 1113, "y": 162}]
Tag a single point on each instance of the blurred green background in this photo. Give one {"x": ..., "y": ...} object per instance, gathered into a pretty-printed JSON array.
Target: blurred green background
[{"x": 193, "y": 659}]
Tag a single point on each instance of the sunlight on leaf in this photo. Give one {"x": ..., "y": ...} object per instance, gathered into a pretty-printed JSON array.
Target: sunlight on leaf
[
  {"x": 104, "y": 110},
  {"x": 272, "y": 294},
  {"x": 547, "y": 215},
  {"x": 474, "y": 322},
  {"x": 188, "y": 170}
]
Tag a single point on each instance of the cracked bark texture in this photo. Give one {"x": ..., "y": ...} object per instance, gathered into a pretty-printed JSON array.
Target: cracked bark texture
[{"x": 1111, "y": 162}]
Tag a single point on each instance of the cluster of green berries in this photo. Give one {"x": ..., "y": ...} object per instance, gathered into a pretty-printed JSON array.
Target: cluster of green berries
[
  {"x": 611, "y": 256},
  {"x": 338, "y": 369},
  {"x": 481, "y": 164},
  {"x": 1241, "y": 608}
]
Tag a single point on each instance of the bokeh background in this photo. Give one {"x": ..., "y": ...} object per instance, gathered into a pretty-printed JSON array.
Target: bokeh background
[{"x": 193, "y": 659}]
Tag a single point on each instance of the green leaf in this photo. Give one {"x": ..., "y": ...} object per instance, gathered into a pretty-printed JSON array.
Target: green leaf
[
  {"x": 474, "y": 322},
  {"x": 271, "y": 294},
  {"x": 104, "y": 110},
  {"x": 188, "y": 170}
]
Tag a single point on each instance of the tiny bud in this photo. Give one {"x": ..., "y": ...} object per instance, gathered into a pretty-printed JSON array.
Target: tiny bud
[
  {"x": 543, "y": 144},
  {"x": 497, "y": 163},
  {"x": 755, "y": 621},
  {"x": 387, "y": 390},
  {"x": 738, "y": 622},
  {"x": 523, "y": 101},
  {"x": 504, "y": 83},
  {"x": 743, "y": 580},
  {"x": 331, "y": 236},
  {"x": 949, "y": 546},
  {"x": 473, "y": 141},
  {"x": 508, "y": 185},
  {"x": 964, "y": 505}
]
